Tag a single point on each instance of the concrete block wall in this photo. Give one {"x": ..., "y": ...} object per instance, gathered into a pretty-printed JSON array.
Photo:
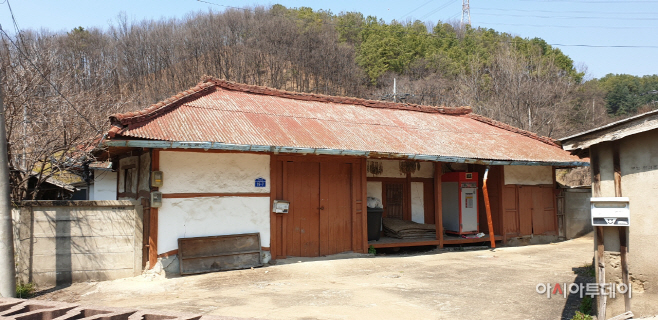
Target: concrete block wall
[
  {"x": 577, "y": 212},
  {"x": 61, "y": 242},
  {"x": 19, "y": 309}
]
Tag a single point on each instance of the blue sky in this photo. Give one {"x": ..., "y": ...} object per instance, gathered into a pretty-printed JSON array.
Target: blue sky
[{"x": 603, "y": 23}]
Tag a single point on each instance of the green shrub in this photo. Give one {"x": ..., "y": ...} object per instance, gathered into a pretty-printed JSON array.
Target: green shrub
[
  {"x": 25, "y": 290},
  {"x": 581, "y": 316},
  {"x": 372, "y": 250}
]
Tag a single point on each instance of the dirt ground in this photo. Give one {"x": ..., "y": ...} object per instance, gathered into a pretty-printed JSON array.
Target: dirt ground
[{"x": 480, "y": 284}]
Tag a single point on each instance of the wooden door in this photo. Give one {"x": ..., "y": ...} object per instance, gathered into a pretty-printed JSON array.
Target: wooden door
[
  {"x": 335, "y": 207},
  {"x": 543, "y": 213},
  {"x": 302, "y": 189},
  {"x": 319, "y": 221},
  {"x": 525, "y": 210},
  {"x": 394, "y": 200}
]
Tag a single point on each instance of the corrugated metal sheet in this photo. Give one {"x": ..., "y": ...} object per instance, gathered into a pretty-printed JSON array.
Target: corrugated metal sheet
[{"x": 246, "y": 118}]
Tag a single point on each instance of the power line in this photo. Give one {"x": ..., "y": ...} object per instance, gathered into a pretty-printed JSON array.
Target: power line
[
  {"x": 429, "y": 14},
  {"x": 560, "y": 26},
  {"x": 510, "y": 41},
  {"x": 565, "y": 17},
  {"x": 562, "y": 11},
  {"x": 414, "y": 10}
]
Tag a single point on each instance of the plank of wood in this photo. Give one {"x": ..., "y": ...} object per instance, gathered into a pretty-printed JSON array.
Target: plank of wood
[{"x": 219, "y": 253}]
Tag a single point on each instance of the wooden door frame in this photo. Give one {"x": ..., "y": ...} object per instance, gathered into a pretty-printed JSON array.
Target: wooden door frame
[{"x": 278, "y": 171}]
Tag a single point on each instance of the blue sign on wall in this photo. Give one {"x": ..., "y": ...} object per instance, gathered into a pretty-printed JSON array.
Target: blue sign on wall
[{"x": 260, "y": 183}]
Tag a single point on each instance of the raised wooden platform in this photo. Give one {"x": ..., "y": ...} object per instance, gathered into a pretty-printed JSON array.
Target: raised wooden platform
[{"x": 386, "y": 242}]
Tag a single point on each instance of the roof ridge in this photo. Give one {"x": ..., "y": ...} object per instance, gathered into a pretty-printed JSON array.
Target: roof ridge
[
  {"x": 208, "y": 82},
  {"x": 505, "y": 126}
]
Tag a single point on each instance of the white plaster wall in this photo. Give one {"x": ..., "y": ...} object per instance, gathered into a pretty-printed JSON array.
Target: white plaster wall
[
  {"x": 426, "y": 170},
  {"x": 391, "y": 169},
  {"x": 375, "y": 189},
  {"x": 607, "y": 169},
  {"x": 105, "y": 185},
  {"x": 205, "y": 172},
  {"x": 417, "y": 203},
  {"x": 212, "y": 216},
  {"x": 528, "y": 175}
]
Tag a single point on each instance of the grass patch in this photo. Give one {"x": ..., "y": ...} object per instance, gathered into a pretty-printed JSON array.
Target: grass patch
[
  {"x": 372, "y": 250},
  {"x": 25, "y": 290},
  {"x": 581, "y": 316}
]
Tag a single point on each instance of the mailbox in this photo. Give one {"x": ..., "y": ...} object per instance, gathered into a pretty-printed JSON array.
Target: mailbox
[
  {"x": 281, "y": 206},
  {"x": 612, "y": 211}
]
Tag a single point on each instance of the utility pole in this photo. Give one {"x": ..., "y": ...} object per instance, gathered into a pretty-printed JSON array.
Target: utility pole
[
  {"x": 7, "y": 267},
  {"x": 466, "y": 12},
  {"x": 395, "y": 93}
]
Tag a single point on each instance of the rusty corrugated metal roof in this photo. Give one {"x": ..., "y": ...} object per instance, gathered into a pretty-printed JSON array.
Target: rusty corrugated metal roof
[{"x": 226, "y": 112}]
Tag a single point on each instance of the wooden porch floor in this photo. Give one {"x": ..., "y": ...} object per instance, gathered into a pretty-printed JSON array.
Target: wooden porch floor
[{"x": 387, "y": 242}]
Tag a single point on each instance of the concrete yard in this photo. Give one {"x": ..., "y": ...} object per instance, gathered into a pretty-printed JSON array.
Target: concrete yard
[{"x": 437, "y": 284}]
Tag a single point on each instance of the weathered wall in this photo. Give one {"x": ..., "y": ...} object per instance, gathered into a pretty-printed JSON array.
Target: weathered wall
[
  {"x": 136, "y": 169},
  {"x": 528, "y": 175},
  {"x": 639, "y": 181},
  {"x": 201, "y": 216},
  {"x": 189, "y": 172},
  {"x": 577, "y": 212},
  {"x": 212, "y": 216},
  {"x": 375, "y": 189},
  {"x": 60, "y": 242},
  {"x": 417, "y": 203},
  {"x": 105, "y": 185},
  {"x": 391, "y": 169}
]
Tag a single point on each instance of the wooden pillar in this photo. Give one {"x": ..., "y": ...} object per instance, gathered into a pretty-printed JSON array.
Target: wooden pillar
[
  {"x": 438, "y": 203},
  {"x": 623, "y": 245},
  {"x": 153, "y": 216},
  {"x": 600, "y": 248},
  {"x": 273, "y": 216},
  {"x": 487, "y": 206},
  {"x": 364, "y": 197}
]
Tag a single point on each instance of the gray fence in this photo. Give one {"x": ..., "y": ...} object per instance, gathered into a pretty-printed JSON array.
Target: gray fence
[{"x": 61, "y": 242}]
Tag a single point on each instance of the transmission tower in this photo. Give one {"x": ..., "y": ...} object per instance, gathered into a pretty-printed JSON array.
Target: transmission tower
[{"x": 466, "y": 12}]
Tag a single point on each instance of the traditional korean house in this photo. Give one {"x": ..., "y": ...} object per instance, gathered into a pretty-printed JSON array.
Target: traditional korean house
[{"x": 220, "y": 155}]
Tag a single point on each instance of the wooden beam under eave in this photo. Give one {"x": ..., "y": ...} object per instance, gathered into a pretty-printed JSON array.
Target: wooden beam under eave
[{"x": 438, "y": 204}]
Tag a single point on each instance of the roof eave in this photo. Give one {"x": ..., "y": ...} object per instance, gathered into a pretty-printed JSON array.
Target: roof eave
[{"x": 327, "y": 151}]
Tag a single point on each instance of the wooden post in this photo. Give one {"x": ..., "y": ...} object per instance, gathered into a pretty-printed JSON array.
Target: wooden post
[
  {"x": 600, "y": 264},
  {"x": 492, "y": 236},
  {"x": 623, "y": 245},
  {"x": 600, "y": 248},
  {"x": 153, "y": 216},
  {"x": 438, "y": 202}
]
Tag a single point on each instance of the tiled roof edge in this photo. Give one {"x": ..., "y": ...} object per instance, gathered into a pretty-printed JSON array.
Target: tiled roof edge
[
  {"x": 507, "y": 127},
  {"x": 208, "y": 83},
  {"x": 155, "y": 110}
]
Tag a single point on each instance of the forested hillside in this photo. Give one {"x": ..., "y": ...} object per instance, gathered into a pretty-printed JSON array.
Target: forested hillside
[{"x": 59, "y": 88}]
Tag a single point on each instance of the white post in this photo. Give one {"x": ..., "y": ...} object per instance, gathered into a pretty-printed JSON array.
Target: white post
[{"x": 7, "y": 267}]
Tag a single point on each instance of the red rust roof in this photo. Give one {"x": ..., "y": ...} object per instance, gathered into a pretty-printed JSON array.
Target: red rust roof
[{"x": 228, "y": 112}]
